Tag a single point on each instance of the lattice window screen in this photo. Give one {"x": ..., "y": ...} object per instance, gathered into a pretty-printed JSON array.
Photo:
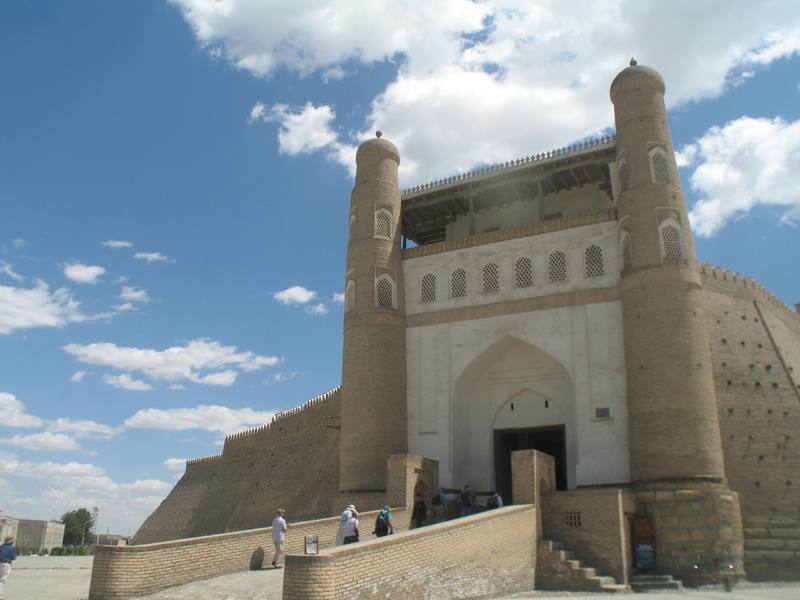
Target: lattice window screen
[
  {"x": 593, "y": 266},
  {"x": 458, "y": 283},
  {"x": 572, "y": 518},
  {"x": 383, "y": 224},
  {"x": 491, "y": 279},
  {"x": 623, "y": 177},
  {"x": 352, "y": 234},
  {"x": 660, "y": 168},
  {"x": 557, "y": 267},
  {"x": 427, "y": 292},
  {"x": 671, "y": 241},
  {"x": 385, "y": 293},
  {"x": 523, "y": 272},
  {"x": 350, "y": 296},
  {"x": 627, "y": 251}
]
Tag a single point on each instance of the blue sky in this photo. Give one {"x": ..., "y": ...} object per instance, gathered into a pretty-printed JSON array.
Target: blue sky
[{"x": 217, "y": 141}]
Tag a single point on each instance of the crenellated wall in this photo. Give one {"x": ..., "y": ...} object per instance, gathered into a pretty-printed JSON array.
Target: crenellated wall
[{"x": 291, "y": 463}]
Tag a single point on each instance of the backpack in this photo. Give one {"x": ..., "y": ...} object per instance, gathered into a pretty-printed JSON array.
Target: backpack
[
  {"x": 491, "y": 502},
  {"x": 381, "y": 524}
]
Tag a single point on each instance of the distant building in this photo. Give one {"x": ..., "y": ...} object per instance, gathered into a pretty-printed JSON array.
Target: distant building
[
  {"x": 8, "y": 526},
  {"x": 39, "y": 535},
  {"x": 112, "y": 539}
]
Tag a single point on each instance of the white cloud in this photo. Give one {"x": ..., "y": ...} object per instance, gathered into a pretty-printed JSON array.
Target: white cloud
[
  {"x": 281, "y": 377},
  {"x": 132, "y": 294},
  {"x": 175, "y": 464},
  {"x": 24, "y": 308},
  {"x": 117, "y": 244},
  {"x": 84, "y": 428},
  {"x": 201, "y": 361},
  {"x": 126, "y": 382},
  {"x": 80, "y": 273},
  {"x": 208, "y": 417},
  {"x": 45, "y": 441},
  {"x": 746, "y": 163},
  {"x": 124, "y": 307},
  {"x": 18, "y": 242},
  {"x": 152, "y": 257},
  {"x": 78, "y": 376},
  {"x": 257, "y": 113},
  {"x": 317, "y": 309},
  {"x": 538, "y": 72},
  {"x": 295, "y": 295},
  {"x": 338, "y": 298},
  {"x": 6, "y": 270},
  {"x": 13, "y": 413}
]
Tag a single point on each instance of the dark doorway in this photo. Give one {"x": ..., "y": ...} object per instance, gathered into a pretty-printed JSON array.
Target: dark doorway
[{"x": 550, "y": 440}]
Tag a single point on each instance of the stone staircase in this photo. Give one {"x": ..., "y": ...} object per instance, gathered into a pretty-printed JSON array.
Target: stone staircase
[
  {"x": 557, "y": 569},
  {"x": 772, "y": 549},
  {"x": 655, "y": 583}
]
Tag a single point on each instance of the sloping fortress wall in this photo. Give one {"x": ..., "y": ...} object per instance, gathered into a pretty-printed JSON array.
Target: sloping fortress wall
[{"x": 293, "y": 462}]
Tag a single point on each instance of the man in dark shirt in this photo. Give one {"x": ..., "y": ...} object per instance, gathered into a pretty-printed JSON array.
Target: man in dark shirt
[{"x": 8, "y": 553}]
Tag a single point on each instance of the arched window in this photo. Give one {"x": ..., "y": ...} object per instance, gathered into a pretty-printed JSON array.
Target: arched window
[
  {"x": 523, "y": 272},
  {"x": 627, "y": 251},
  {"x": 659, "y": 166},
  {"x": 491, "y": 279},
  {"x": 671, "y": 240},
  {"x": 593, "y": 262},
  {"x": 350, "y": 296},
  {"x": 384, "y": 292},
  {"x": 458, "y": 283},
  {"x": 557, "y": 267},
  {"x": 383, "y": 224},
  {"x": 622, "y": 172},
  {"x": 427, "y": 289},
  {"x": 352, "y": 234}
]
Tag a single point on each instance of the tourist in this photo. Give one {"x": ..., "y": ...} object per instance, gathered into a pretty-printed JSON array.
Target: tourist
[
  {"x": 438, "y": 504},
  {"x": 351, "y": 528},
  {"x": 420, "y": 511},
  {"x": 279, "y": 528},
  {"x": 494, "y": 501},
  {"x": 343, "y": 519},
  {"x": 8, "y": 554},
  {"x": 467, "y": 499},
  {"x": 383, "y": 523}
]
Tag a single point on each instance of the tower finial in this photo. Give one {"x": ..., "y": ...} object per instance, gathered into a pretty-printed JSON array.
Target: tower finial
[
  {"x": 633, "y": 62},
  {"x": 378, "y": 133}
]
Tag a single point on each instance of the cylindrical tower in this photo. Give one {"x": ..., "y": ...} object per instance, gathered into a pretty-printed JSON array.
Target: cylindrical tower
[
  {"x": 675, "y": 447},
  {"x": 374, "y": 356}
]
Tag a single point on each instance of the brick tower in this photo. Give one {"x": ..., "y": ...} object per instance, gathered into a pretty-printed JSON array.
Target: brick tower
[
  {"x": 675, "y": 448},
  {"x": 374, "y": 356}
]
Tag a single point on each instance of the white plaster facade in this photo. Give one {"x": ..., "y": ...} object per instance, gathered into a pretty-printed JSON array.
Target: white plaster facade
[{"x": 558, "y": 366}]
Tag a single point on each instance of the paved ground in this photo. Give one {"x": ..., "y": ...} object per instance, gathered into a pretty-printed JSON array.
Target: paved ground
[{"x": 67, "y": 578}]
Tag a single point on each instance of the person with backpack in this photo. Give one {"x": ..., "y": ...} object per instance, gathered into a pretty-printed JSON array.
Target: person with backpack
[
  {"x": 420, "y": 511},
  {"x": 467, "y": 499},
  {"x": 437, "y": 502},
  {"x": 383, "y": 523},
  {"x": 494, "y": 501}
]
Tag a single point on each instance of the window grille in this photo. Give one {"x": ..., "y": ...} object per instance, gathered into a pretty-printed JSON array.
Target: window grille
[
  {"x": 572, "y": 518},
  {"x": 523, "y": 272},
  {"x": 660, "y": 167},
  {"x": 623, "y": 178},
  {"x": 428, "y": 288},
  {"x": 557, "y": 267},
  {"x": 602, "y": 413},
  {"x": 491, "y": 279},
  {"x": 385, "y": 293},
  {"x": 627, "y": 251},
  {"x": 671, "y": 241},
  {"x": 458, "y": 283},
  {"x": 349, "y": 296},
  {"x": 383, "y": 224},
  {"x": 593, "y": 266}
]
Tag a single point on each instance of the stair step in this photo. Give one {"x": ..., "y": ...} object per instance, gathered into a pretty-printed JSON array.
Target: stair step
[
  {"x": 615, "y": 588},
  {"x": 588, "y": 572},
  {"x": 651, "y": 586},
  {"x": 645, "y": 578}
]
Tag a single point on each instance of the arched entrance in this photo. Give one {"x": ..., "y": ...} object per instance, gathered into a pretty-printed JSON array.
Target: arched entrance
[{"x": 513, "y": 396}]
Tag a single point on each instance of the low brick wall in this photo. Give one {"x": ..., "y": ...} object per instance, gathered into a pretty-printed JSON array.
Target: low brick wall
[
  {"x": 487, "y": 554},
  {"x": 123, "y": 571}
]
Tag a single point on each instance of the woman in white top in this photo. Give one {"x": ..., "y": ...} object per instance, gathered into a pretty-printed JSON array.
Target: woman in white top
[
  {"x": 343, "y": 518},
  {"x": 351, "y": 529}
]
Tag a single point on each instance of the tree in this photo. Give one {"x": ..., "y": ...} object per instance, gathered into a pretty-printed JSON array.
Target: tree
[{"x": 78, "y": 524}]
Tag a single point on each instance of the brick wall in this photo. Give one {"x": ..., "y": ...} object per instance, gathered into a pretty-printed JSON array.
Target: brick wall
[
  {"x": 487, "y": 554},
  {"x": 593, "y": 525},
  {"x": 123, "y": 571},
  {"x": 292, "y": 463}
]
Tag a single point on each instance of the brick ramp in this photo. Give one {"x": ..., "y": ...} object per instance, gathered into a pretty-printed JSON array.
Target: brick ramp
[
  {"x": 772, "y": 549},
  {"x": 557, "y": 569}
]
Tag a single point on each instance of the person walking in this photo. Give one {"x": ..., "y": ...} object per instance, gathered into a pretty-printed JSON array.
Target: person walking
[
  {"x": 8, "y": 554},
  {"x": 494, "y": 501},
  {"x": 438, "y": 504},
  {"x": 343, "y": 518},
  {"x": 467, "y": 499},
  {"x": 351, "y": 528},
  {"x": 383, "y": 523},
  {"x": 420, "y": 511},
  {"x": 279, "y": 528}
]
